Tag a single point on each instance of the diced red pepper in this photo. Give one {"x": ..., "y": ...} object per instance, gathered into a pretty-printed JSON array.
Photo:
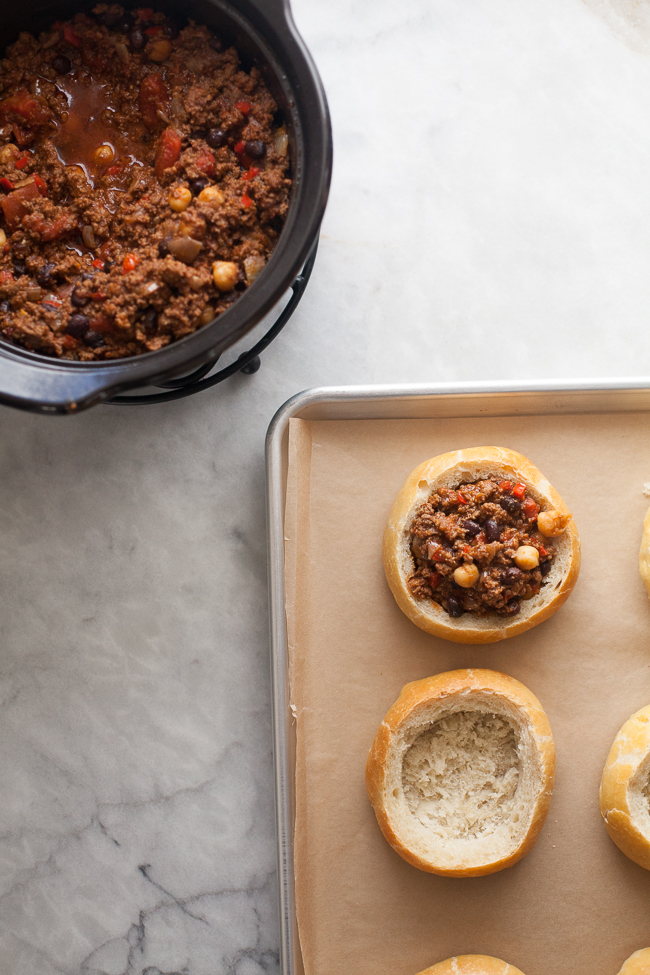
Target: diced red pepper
[
  {"x": 205, "y": 162},
  {"x": 6, "y": 184},
  {"x": 152, "y": 31},
  {"x": 22, "y": 162},
  {"x": 154, "y": 96},
  {"x": 70, "y": 37},
  {"x": 41, "y": 185},
  {"x": 98, "y": 296},
  {"x": 14, "y": 204},
  {"x": 246, "y": 200},
  {"x": 461, "y": 499},
  {"x": 98, "y": 264},
  {"x": 519, "y": 490},
  {"x": 531, "y": 509},
  {"x": 244, "y": 107},
  {"x": 114, "y": 170},
  {"x": 542, "y": 551},
  {"x": 251, "y": 173},
  {"x": 6, "y": 277},
  {"x": 25, "y": 108},
  {"x": 240, "y": 148},
  {"x": 505, "y": 485},
  {"x": 129, "y": 263},
  {"x": 169, "y": 152},
  {"x": 435, "y": 579},
  {"x": 69, "y": 342}
]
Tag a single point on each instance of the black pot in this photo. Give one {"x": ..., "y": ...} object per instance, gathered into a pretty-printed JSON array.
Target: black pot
[{"x": 264, "y": 33}]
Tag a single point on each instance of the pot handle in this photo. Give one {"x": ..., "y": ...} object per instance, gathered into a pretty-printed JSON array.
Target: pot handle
[{"x": 48, "y": 387}]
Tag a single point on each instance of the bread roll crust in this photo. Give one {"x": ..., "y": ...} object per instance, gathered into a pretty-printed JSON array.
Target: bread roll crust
[
  {"x": 644, "y": 552},
  {"x": 637, "y": 964},
  {"x": 450, "y": 470},
  {"x": 623, "y": 805},
  {"x": 472, "y": 965},
  {"x": 420, "y": 705}
]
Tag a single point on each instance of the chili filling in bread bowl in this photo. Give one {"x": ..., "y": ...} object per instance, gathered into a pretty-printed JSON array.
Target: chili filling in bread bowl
[{"x": 479, "y": 549}]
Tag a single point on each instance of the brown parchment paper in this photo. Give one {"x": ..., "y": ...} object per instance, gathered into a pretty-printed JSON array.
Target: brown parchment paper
[{"x": 575, "y": 905}]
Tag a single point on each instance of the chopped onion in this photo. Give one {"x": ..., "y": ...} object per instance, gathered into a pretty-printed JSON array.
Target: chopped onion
[
  {"x": 89, "y": 237},
  {"x": 252, "y": 266},
  {"x": 178, "y": 108},
  {"x": 281, "y": 142},
  {"x": 51, "y": 40},
  {"x": 185, "y": 249},
  {"x": 33, "y": 294},
  {"x": 193, "y": 65},
  {"x": 122, "y": 52},
  {"x": 164, "y": 118}
]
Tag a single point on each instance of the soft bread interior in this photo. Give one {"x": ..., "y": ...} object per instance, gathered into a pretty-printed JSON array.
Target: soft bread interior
[
  {"x": 638, "y": 797},
  {"x": 465, "y": 473},
  {"x": 463, "y": 780}
]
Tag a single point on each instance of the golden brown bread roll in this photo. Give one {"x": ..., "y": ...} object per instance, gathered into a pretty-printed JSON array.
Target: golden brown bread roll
[
  {"x": 472, "y": 965},
  {"x": 625, "y": 786},
  {"x": 644, "y": 552},
  {"x": 637, "y": 964},
  {"x": 460, "y": 773},
  {"x": 413, "y": 578}
]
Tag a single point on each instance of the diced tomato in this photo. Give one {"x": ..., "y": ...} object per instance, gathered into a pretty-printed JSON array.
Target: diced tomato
[
  {"x": 23, "y": 161},
  {"x": 98, "y": 264},
  {"x": 169, "y": 152},
  {"x": 6, "y": 277},
  {"x": 246, "y": 200},
  {"x": 152, "y": 31},
  {"x": 435, "y": 579},
  {"x": 129, "y": 263},
  {"x": 22, "y": 135},
  {"x": 69, "y": 35},
  {"x": 102, "y": 323},
  {"x": 6, "y": 184},
  {"x": 531, "y": 509},
  {"x": 154, "y": 96},
  {"x": 69, "y": 342},
  {"x": 505, "y": 485},
  {"x": 98, "y": 296},
  {"x": 14, "y": 204},
  {"x": 23, "y": 107},
  {"x": 205, "y": 162},
  {"x": 251, "y": 173},
  {"x": 519, "y": 490},
  {"x": 41, "y": 185},
  {"x": 240, "y": 147},
  {"x": 244, "y": 107},
  {"x": 65, "y": 223}
]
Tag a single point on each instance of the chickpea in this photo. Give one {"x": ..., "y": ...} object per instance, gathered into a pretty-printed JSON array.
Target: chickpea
[
  {"x": 527, "y": 557},
  {"x": 552, "y": 523},
  {"x": 211, "y": 195},
  {"x": 225, "y": 274},
  {"x": 3, "y": 238},
  {"x": 466, "y": 575},
  {"x": 103, "y": 155},
  {"x": 159, "y": 50},
  {"x": 8, "y": 153},
  {"x": 180, "y": 198}
]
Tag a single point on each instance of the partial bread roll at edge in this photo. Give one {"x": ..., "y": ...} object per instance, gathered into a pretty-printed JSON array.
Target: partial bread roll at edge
[
  {"x": 449, "y": 471},
  {"x": 460, "y": 773},
  {"x": 637, "y": 964},
  {"x": 644, "y": 552},
  {"x": 624, "y": 789},
  {"x": 472, "y": 965}
]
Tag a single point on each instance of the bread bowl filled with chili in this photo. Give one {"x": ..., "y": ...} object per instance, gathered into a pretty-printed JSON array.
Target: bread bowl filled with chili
[
  {"x": 163, "y": 174},
  {"x": 479, "y": 546}
]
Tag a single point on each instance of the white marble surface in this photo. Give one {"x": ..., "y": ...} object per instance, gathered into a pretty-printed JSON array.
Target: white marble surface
[{"x": 489, "y": 218}]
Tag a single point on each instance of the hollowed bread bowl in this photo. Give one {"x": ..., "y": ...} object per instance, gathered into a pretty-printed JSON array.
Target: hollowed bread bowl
[
  {"x": 624, "y": 789},
  {"x": 449, "y": 471},
  {"x": 472, "y": 965},
  {"x": 460, "y": 774},
  {"x": 636, "y": 964}
]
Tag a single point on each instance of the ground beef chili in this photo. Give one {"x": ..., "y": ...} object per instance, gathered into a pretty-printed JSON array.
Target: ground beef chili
[
  {"x": 479, "y": 532},
  {"x": 143, "y": 183}
]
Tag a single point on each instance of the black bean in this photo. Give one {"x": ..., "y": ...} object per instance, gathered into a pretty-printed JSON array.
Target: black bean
[
  {"x": 19, "y": 269},
  {"x": 216, "y": 138},
  {"x": 254, "y": 148},
  {"x": 171, "y": 29},
  {"x": 150, "y": 320},
  {"x": 109, "y": 19},
  {"x": 94, "y": 340},
  {"x": 512, "y": 607},
  {"x": 492, "y": 530},
  {"x": 163, "y": 247},
  {"x": 471, "y": 527},
  {"x": 513, "y": 574},
  {"x": 78, "y": 300},
  {"x": 77, "y": 326},
  {"x": 545, "y": 567},
  {"x": 62, "y": 64},
  {"x": 5, "y": 307},
  {"x": 510, "y": 504},
  {"x": 44, "y": 275},
  {"x": 454, "y": 607},
  {"x": 108, "y": 266},
  {"x": 126, "y": 22},
  {"x": 198, "y": 185},
  {"x": 138, "y": 39}
]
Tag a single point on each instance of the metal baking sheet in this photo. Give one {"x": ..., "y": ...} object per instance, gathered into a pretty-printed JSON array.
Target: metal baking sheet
[{"x": 387, "y": 402}]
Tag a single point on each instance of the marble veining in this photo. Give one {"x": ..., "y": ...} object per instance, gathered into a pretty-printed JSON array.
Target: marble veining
[{"x": 488, "y": 219}]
